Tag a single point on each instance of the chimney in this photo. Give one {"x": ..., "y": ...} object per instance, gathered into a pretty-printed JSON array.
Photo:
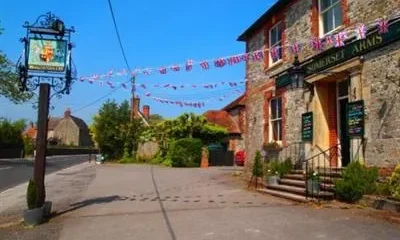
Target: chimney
[
  {"x": 135, "y": 107},
  {"x": 146, "y": 111},
  {"x": 67, "y": 113}
]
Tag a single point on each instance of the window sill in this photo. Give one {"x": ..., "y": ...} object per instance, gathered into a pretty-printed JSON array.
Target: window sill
[
  {"x": 273, "y": 66},
  {"x": 334, "y": 31}
]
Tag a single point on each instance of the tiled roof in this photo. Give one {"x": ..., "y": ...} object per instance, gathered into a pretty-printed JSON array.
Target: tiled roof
[
  {"x": 80, "y": 123},
  {"x": 223, "y": 119},
  {"x": 240, "y": 101}
]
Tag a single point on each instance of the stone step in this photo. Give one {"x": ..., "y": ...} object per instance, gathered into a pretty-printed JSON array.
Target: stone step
[
  {"x": 291, "y": 182},
  {"x": 329, "y": 173},
  {"x": 294, "y": 176},
  {"x": 328, "y": 187},
  {"x": 290, "y": 196},
  {"x": 299, "y": 191}
]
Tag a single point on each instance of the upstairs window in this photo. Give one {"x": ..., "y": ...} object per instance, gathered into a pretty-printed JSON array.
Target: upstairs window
[
  {"x": 275, "y": 120},
  {"x": 330, "y": 15},
  {"x": 275, "y": 40}
]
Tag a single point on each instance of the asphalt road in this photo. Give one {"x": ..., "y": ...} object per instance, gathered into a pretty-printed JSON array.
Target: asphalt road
[{"x": 14, "y": 172}]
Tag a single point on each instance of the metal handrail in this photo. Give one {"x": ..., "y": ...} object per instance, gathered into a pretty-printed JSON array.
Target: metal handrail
[{"x": 295, "y": 149}]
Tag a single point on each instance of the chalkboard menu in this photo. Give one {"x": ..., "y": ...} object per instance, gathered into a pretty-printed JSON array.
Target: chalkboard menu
[
  {"x": 307, "y": 126},
  {"x": 355, "y": 118}
]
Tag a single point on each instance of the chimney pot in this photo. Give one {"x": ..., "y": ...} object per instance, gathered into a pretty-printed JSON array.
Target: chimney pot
[
  {"x": 67, "y": 113},
  {"x": 146, "y": 111}
]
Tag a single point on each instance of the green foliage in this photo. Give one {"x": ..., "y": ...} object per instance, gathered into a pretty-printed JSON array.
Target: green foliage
[
  {"x": 155, "y": 119},
  {"x": 257, "y": 166},
  {"x": 11, "y": 133},
  {"x": 275, "y": 167},
  {"x": 114, "y": 132},
  {"x": 211, "y": 134},
  {"x": 185, "y": 152},
  {"x": 128, "y": 160},
  {"x": 383, "y": 189},
  {"x": 357, "y": 181},
  {"x": 31, "y": 194},
  {"x": 28, "y": 145},
  {"x": 9, "y": 87},
  {"x": 394, "y": 183}
]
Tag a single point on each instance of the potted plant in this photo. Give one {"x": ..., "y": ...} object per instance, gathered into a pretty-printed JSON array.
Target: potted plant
[
  {"x": 313, "y": 183},
  {"x": 33, "y": 215},
  {"x": 272, "y": 178},
  {"x": 271, "y": 150}
]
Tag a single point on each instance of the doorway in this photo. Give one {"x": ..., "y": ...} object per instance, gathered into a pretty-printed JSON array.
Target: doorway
[{"x": 344, "y": 139}]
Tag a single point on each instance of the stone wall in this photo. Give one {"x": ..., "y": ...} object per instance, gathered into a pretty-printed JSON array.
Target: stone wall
[
  {"x": 147, "y": 150},
  {"x": 382, "y": 101},
  {"x": 255, "y": 69},
  {"x": 67, "y": 132},
  {"x": 369, "y": 10}
]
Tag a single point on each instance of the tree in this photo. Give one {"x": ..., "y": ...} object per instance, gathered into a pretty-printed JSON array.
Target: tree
[
  {"x": 155, "y": 119},
  {"x": 113, "y": 130},
  {"x": 9, "y": 87},
  {"x": 11, "y": 132}
]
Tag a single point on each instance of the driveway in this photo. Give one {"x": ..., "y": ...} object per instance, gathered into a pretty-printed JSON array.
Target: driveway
[{"x": 145, "y": 202}]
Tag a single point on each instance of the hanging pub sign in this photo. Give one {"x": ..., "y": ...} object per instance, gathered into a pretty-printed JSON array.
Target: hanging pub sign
[
  {"x": 307, "y": 127},
  {"x": 355, "y": 118},
  {"x": 48, "y": 55}
]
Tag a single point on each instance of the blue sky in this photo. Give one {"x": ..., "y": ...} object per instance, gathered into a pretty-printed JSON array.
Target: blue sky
[{"x": 154, "y": 33}]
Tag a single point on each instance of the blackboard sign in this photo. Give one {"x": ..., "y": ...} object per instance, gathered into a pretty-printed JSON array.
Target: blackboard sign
[
  {"x": 307, "y": 126},
  {"x": 355, "y": 119}
]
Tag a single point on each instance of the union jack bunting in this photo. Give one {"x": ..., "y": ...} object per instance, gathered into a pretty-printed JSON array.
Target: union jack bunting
[
  {"x": 340, "y": 38},
  {"x": 194, "y": 86},
  {"x": 205, "y": 65},
  {"x": 174, "y": 87},
  {"x": 361, "y": 31},
  {"x": 275, "y": 53},
  {"x": 295, "y": 48},
  {"x": 258, "y": 55},
  {"x": 203, "y": 104},
  {"x": 109, "y": 83},
  {"x": 109, "y": 73},
  {"x": 82, "y": 79},
  {"x": 234, "y": 60},
  {"x": 143, "y": 86},
  {"x": 383, "y": 26},
  {"x": 175, "y": 68},
  {"x": 124, "y": 85},
  {"x": 146, "y": 71},
  {"x": 148, "y": 94},
  {"x": 163, "y": 70},
  {"x": 245, "y": 57},
  {"x": 189, "y": 65},
  {"x": 220, "y": 62},
  {"x": 329, "y": 40}
]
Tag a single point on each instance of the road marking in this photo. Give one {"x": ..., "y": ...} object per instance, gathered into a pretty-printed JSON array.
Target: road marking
[{"x": 5, "y": 168}]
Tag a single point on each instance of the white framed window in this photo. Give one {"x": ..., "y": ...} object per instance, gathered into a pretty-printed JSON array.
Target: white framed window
[
  {"x": 275, "y": 40},
  {"x": 275, "y": 120},
  {"x": 330, "y": 17}
]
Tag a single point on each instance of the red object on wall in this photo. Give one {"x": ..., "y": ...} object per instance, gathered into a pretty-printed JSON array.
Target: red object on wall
[{"x": 240, "y": 158}]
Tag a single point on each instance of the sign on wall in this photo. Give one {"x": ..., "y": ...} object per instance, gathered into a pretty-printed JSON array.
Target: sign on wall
[
  {"x": 307, "y": 126},
  {"x": 47, "y": 55},
  {"x": 355, "y": 118}
]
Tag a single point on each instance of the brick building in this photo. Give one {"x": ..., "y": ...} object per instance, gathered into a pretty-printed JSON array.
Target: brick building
[{"x": 367, "y": 70}]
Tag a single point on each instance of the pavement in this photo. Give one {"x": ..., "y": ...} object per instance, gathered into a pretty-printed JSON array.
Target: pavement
[
  {"x": 148, "y": 202},
  {"x": 17, "y": 171}
]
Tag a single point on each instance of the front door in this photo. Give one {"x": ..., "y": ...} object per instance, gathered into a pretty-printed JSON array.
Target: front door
[{"x": 343, "y": 100}]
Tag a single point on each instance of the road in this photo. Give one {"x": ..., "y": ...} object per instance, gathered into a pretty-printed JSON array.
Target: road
[{"x": 14, "y": 172}]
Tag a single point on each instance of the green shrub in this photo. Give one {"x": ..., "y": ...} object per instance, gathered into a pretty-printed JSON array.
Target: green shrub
[
  {"x": 394, "y": 183},
  {"x": 280, "y": 168},
  {"x": 31, "y": 194},
  {"x": 28, "y": 146},
  {"x": 128, "y": 160},
  {"x": 167, "y": 162},
  {"x": 258, "y": 167},
  {"x": 357, "y": 181},
  {"x": 383, "y": 189},
  {"x": 185, "y": 152}
]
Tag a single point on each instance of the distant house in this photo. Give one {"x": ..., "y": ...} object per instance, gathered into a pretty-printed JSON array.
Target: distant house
[
  {"x": 232, "y": 117},
  {"x": 68, "y": 130}
]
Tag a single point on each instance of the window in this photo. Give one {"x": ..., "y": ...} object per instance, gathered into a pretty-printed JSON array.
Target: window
[
  {"x": 275, "y": 40},
  {"x": 276, "y": 119},
  {"x": 330, "y": 15}
]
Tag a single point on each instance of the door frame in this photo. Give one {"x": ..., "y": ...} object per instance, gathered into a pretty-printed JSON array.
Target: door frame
[{"x": 338, "y": 116}]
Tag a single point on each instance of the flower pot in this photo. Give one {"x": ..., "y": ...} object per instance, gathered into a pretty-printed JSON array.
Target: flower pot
[
  {"x": 272, "y": 180},
  {"x": 33, "y": 217},
  {"x": 313, "y": 187},
  {"x": 47, "y": 208}
]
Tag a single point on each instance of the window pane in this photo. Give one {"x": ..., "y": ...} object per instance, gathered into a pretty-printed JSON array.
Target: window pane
[
  {"x": 279, "y": 107},
  {"x": 273, "y": 109},
  {"x": 279, "y": 130},
  {"x": 338, "y": 15},
  {"x": 279, "y": 32},
  {"x": 275, "y": 134},
  {"x": 328, "y": 20},
  {"x": 343, "y": 88},
  {"x": 325, "y": 4},
  {"x": 273, "y": 35}
]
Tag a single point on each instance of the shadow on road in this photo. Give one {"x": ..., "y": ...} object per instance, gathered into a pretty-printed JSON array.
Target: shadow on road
[{"x": 89, "y": 202}]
